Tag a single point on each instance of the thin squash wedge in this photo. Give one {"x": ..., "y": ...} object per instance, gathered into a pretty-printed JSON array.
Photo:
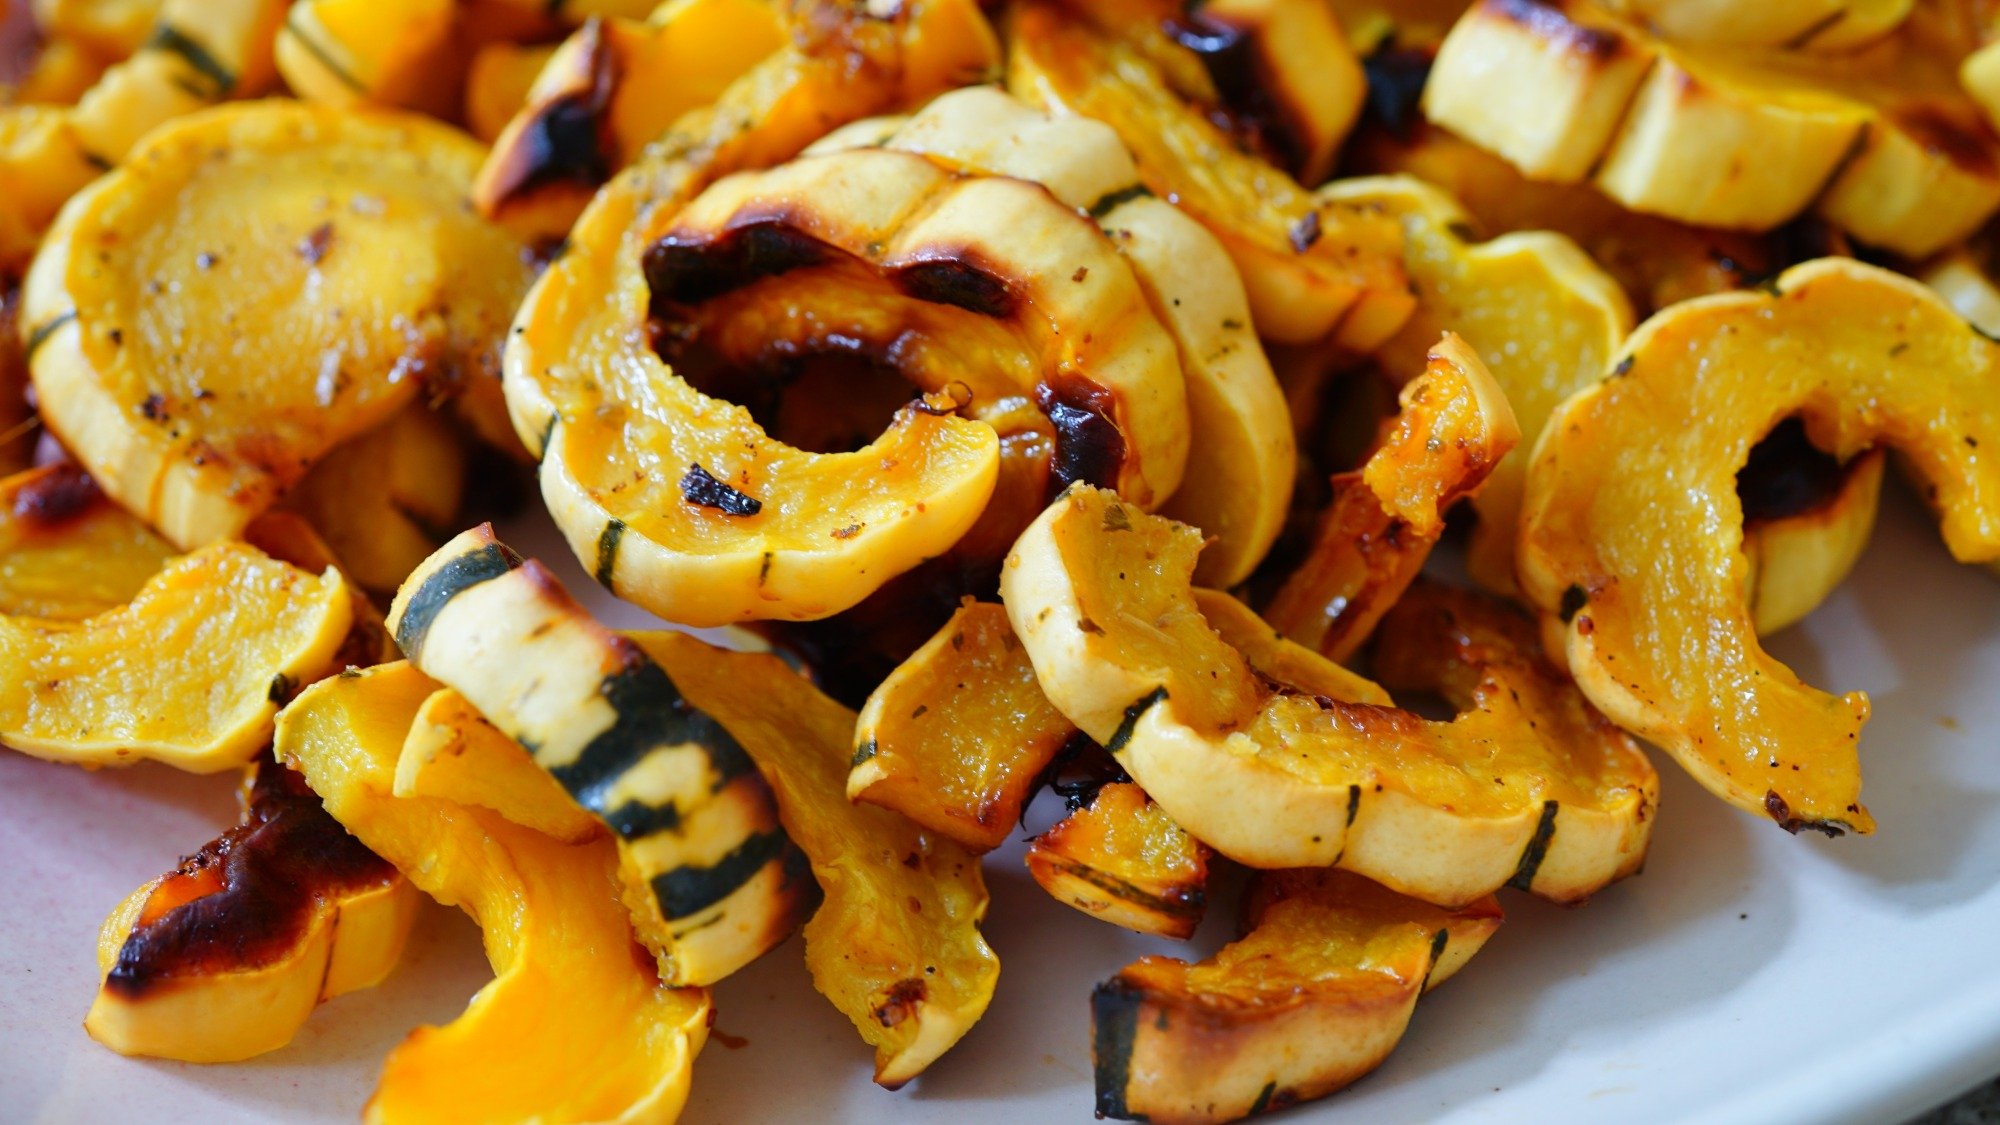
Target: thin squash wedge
[
  {"x": 1315, "y": 995},
  {"x": 66, "y": 552},
  {"x": 1453, "y": 429},
  {"x": 575, "y": 1026},
  {"x": 223, "y": 958},
  {"x": 1667, "y": 646},
  {"x": 896, "y": 944},
  {"x": 710, "y": 879},
  {"x": 1275, "y": 775},
  {"x": 359, "y": 52},
  {"x": 1120, "y": 858},
  {"x": 497, "y": 84},
  {"x": 453, "y": 753},
  {"x": 204, "y": 366}
]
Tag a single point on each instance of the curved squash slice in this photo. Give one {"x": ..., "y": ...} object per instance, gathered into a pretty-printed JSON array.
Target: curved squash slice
[
  {"x": 1277, "y": 775},
  {"x": 1886, "y": 145},
  {"x": 1238, "y": 481},
  {"x": 896, "y": 945},
  {"x": 956, "y": 737},
  {"x": 1120, "y": 858},
  {"x": 1309, "y": 270},
  {"x": 1454, "y": 428},
  {"x": 379, "y": 499},
  {"x": 1654, "y": 618},
  {"x": 1539, "y": 313},
  {"x": 707, "y": 872},
  {"x": 1315, "y": 996},
  {"x": 1820, "y": 26},
  {"x": 453, "y": 753},
  {"x": 66, "y": 552},
  {"x": 612, "y": 87},
  {"x": 189, "y": 673},
  {"x": 497, "y": 84},
  {"x": 354, "y": 52},
  {"x": 203, "y": 367},
  {"x": 575, "y": 1026},
  {"x": 224, "y": 958}
]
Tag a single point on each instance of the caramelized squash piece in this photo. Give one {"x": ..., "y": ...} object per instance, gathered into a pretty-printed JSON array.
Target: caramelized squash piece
[
  {"x": 497, "y": 84},
  {"x": 1806, "y": 520},
  {"x": 896, "y": 944},
  {"x": 66, "y": 552},
  {"x": 453, "y": 753},
  {"x": 706, "y": 870},
  {"x": 1652, "y": 607},
  {"x": 1120, "y": 858},
  {"x": 1310, "y": 270},
  {"x": 1284, "y": 775},
  {"x": 575, "y": 1026},
  {"x": 201, "y": 369},
  {"x": 190, "y": 672},
  {"x": 379, "y": 499},
  {"x": 957, "y": 736},
  {"x": 1535, "y": 309},
  {"x": 362, "y": 52},
  {"x": 224, "y": 958},
  {"x": 1315, "y": 995},
  {"x": 1454, "y": 428}
]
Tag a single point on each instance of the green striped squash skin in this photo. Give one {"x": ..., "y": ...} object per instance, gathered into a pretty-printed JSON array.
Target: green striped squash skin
[{"x": 710, "y": 876}]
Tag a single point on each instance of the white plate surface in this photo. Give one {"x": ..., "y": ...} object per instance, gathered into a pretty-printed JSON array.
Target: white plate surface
[{"x": 1746, "y": 976}]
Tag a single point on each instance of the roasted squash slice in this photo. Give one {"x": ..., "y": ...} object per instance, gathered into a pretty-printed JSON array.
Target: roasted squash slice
[
  {"x": 1120, "y": 858},
  {"x": 896, "y": 945},
  {"x": 111, "y": 28},
  {"x": 956, "y": 737},
  {"x": 190, "y": 672},
  {"x": 707, "y": 872},
  {"x": 200, "y": 369},
  {"x": 380, "y": 498},
  {"x": 224, "y": 958},
  {"x": 453, "y": 753},
  {"x": 1806, "y": 519},
  {"x": 355, "y": 52},
  {"x": 1309, "y": 270},
  {"x": 1966, "y": 283},
  {"x": 1820, "y": 26},
  {"x": 1454, "y": 428},
  {"x": 1315, "y": 995},
  {"x": 66, "y": 552},
  {"x": 1654, "y": 619},
  {"x": 497, "y": 84},
  {"x": 575, "y": 1026},
  {"x": 612, "y": 87},
  {"x": 1238, "y": 479},
  {"x": 1887, "y": 146},
  {"x": 1277, "y": 775}
]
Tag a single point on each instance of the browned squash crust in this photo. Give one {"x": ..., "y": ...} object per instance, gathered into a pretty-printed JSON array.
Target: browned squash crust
[{"x": 1120, "y": 858}]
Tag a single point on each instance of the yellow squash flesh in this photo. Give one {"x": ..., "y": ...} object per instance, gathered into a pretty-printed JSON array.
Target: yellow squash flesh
[
  {"x": 453, "y": 753},
  {"x": 575, "y": 1026},
  {"x": 1121, "y": 859},
  {"x": 379, "y": 499},
  {"x": 356, "y": 52},
  {"x": 66, "y": 552},
  {"x": 1652, "y": 608}
]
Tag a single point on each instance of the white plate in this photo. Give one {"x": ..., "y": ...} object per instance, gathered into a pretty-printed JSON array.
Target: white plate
[{"x": 1746, "y": 976}]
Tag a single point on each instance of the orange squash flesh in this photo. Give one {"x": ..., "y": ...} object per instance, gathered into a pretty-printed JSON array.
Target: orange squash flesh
[{"x": 1121, "y": 859}]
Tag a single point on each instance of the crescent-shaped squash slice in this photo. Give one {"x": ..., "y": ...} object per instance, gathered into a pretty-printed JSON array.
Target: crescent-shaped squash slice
[
  {"x": 706, "y": 870},
  {"x": 957, "y": 736},
  {"x": 1535, "y": 309},
  {"x": 1120, "y": 858},
  {"x": 379, "y": 499},
  {"x": 66, "y": 552},
  {"x": 1309, "y": 270},
  {"x": 190, "y": 672},
  {"x": 1454, "y": 427},
  {"x": 1238, "y": 481},
  {"x": 1653, "y": 611},
  {"x": 896, "y": 944},
  {"x": 575, "y": 1026},
  {"x": 204, "y": 365},
  {"x": 609, "y": 89},
  {"x": 1315, "y": 995},
  {"x": 223, "y": 958},
  {"x": 1276, "y": 775},
  {"x": 361, "y": 52},
  {"x": 453, "y": 753},
  {"x": 1884, "y": 146}
]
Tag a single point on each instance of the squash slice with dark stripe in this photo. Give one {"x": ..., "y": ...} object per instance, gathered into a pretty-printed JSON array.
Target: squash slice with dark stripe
[
  {"x": 896, "y": 943},
  {"x": 705, "y": 868},
  {"x": 1316, "y": 995},
  {"x": 1273, "y": 774},
  {"x": 576, "y": 1025},
  {"x": 1120, "y": 858},
  {"x": 362, "y": 52}
]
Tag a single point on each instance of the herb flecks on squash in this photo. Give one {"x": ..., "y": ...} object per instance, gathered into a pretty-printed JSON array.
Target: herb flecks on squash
[{"x": 1632, "y": 532}]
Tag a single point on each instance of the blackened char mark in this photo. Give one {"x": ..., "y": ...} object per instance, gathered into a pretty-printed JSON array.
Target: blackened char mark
[
  {"x": 689, "y": 269},
  {"x": 1089, "y": 445},
  {"x": 1787, "y": 475},
  {"x": 567, "y": 140},
  {"x": 1251, "y": 110},
  {"x": 957, "y": 279},
  {"x": 1396, "y": 77},
  {"x": 56, "y": 495},
  {"x": 700, "y": 488}
]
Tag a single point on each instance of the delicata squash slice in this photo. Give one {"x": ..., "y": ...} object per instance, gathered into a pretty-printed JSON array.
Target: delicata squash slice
[
  {"x": 224, "y": 958},
  {"x": 66, "y": 552},
  {"x": 1121, "y": 858},
  {"x": 1884, "y": 146},
  {"x": 350, "y": 52},
  {"x": 575, "y": 1026},
  {"x": 896, "y": 943},
  {"x": 1238, "y": 480},
  {"x": 1276, "y": 775},
  {"x": 1819, "y": 26},
  {"x": 379, "y": 498},
  {"x": 707, "y": 872},
  {"x": 1314, "y": 996},
  {"x": 1652, "y": 610},
  {"x": 1309, "y": 270},
  {"x": 199, "y": 364}
]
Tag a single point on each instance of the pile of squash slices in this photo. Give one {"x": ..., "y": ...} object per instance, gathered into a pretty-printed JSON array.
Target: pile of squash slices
[{"x": 1043, "y": 398}]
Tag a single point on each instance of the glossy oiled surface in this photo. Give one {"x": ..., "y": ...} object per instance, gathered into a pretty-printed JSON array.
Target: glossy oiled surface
[{"x": 1746, "y": 976}]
